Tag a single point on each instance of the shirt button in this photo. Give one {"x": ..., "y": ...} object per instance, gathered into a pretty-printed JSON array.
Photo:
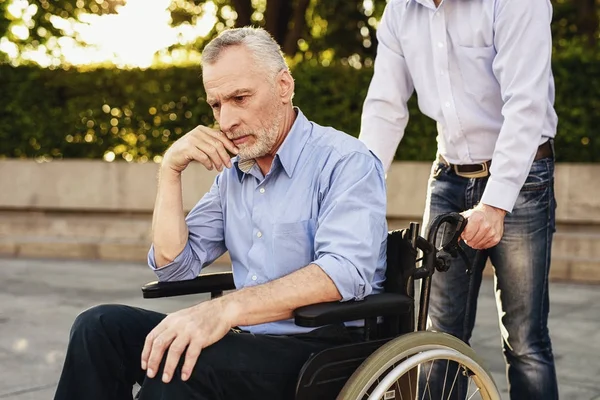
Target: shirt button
[
  {"x": 447, "y": 104},
  {"x": 440, "y": 45},
  {"x": 262, "y": 190},
  {"x": 254, "y": 277},
  {"x": 259, "y": 234}
]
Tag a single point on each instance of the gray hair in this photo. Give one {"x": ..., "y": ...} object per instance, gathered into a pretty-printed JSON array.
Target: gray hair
[{"x": 262, "y": 46}]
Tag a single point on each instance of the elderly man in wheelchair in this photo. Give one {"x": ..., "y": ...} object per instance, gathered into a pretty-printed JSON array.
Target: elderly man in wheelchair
[{"x": 301, "y": 210}]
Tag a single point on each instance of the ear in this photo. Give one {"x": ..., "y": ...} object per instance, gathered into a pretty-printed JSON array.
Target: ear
[{"x": 285, "y": 86}]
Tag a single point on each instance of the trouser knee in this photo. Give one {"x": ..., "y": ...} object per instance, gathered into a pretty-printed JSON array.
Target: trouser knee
[
  {"x": 94, "y": 321},
  {"x": 522, "y": 351}
]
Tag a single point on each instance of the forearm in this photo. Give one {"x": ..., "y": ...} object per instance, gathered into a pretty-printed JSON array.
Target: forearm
[
  {"x": 276, "y": 300},
  {"x": 169, "y": 230}
]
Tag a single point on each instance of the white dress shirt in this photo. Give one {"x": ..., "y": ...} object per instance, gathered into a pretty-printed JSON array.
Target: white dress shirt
[{"x": 481, "y": 70}]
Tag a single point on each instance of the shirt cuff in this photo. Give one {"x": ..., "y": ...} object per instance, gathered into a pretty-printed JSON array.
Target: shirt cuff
[
  {"x": 344, "y": 276},
  {"x": 175, "y": 270},
  {"x": 500, "y": 194}
]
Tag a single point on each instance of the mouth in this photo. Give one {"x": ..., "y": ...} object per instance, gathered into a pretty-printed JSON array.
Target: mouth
[{"x": 240, "y": 140}]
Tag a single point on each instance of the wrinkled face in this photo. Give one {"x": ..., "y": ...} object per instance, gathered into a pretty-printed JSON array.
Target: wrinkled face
[{"x": 244, "y": 102}]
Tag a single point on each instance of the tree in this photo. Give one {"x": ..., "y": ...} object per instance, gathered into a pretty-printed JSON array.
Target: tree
[
  {"x": 302, "y": 27},
  {"x": 40, "y": 18},
  {"x": 576, "y": 20}
]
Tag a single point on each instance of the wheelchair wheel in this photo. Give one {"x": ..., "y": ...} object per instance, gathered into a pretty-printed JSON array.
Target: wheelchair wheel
[{"x": 401, "y": 370}]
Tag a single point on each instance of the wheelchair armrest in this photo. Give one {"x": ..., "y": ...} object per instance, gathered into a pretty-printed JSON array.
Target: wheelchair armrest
[
  {"x": 203, "y": 283},
  {"x": 384, "y": 304}
]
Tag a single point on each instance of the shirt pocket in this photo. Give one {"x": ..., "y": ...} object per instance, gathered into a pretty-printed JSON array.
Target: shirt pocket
[
  {"x": 293, "y": 246},
  {"x": 475, "y": 65}
]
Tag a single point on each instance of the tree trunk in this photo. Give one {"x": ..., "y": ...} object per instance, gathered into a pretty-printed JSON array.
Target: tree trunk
[
  {"x": 277, "y": 17},
  {"x": 587, "y": 19},
  {"x": 296, "y": 28},
  {"x": 243, "y": 8}
]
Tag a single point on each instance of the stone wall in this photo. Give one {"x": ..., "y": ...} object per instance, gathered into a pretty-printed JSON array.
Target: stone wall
[{"x": 86, "y": 209}]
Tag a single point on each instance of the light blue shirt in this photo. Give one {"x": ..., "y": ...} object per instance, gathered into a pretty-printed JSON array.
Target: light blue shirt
[
  {"x": 323, "y": 202},
  {"x": 481, "y": 70}
]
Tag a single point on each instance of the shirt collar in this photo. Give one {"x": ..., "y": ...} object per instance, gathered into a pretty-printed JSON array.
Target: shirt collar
[
  {"x": 288, "y": 153},
  {"x": 422, "y": 2}
]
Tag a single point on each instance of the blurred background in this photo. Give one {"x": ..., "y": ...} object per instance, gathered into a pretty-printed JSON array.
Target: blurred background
[
  {"x": 119, "y": 80},
  {"x": 92, "y": 92}
]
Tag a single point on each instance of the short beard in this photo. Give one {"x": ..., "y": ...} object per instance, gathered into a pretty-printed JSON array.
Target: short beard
[{"x": 264, "y": 138}]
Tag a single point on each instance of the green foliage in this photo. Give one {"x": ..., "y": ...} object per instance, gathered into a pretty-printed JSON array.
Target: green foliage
[
  {"x": 136, "y": 114},
  {"x": 42, "y": 29}
]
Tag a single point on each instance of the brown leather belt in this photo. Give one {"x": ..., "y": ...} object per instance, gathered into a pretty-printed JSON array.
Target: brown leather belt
[{"x": 483, "y": 169}]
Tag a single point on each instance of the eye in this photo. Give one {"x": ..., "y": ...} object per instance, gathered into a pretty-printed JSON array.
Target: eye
[
  {"x": 239, "y": 99},
  {"x": 215, "y": 106}
]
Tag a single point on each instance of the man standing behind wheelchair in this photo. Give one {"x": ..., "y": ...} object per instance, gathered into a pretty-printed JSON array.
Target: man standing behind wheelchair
[
  {"x": 301, "y": 210},
  {"x": 482, "y": 71}
]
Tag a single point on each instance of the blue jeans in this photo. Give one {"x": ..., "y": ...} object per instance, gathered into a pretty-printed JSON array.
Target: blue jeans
[{"x": 521, "y": 264}]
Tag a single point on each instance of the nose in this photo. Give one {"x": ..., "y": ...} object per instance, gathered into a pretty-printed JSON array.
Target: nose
[{"x": 228, "y": 118}]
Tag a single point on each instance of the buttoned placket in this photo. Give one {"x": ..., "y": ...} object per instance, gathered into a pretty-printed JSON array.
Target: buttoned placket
[
  {"x": 439, "y": 39},
  {"x": 259, "y": 244}
]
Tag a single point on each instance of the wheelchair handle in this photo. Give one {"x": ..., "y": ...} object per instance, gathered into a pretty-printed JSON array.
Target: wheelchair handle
[{"x": 436, "y": 258}]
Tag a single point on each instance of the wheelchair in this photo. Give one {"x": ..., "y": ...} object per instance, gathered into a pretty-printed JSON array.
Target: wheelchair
[{"x": 397, "y": 355}]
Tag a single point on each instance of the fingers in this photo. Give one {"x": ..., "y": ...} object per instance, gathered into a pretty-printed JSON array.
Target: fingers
[
  {"x": 157, "y": 349},
  {"x": 214, "y": 144},
  {"x": 480, "y": 233},
  {"x": 222, "y": 153},
  {"x": 228, "y": 144},
  {"x": 198, "y": 155},
  {"x": 216, "y": 152},
  {"x": 471, "y": 230},
  {"x": 482, "y": 236},
  {"x": 148, "y": 343},
  {"x": 173, "y": 355},
  {"x": 191, "y": 356}
]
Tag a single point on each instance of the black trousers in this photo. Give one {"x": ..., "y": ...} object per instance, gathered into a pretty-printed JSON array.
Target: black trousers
[{"x": 104, "y": 356}]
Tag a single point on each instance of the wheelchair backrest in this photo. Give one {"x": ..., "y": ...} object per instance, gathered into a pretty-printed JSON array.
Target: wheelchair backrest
[{"x": 401, "y": 262}]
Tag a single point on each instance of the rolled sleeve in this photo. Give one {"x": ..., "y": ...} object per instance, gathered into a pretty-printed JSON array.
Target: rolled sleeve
[
  {"x": 205, "y": 241},
  {"x": 352, "y": 229},
  {"x": 173, "y": 270}
]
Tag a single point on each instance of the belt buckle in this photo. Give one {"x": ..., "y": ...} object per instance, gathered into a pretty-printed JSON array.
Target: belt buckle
[{"x": 476, "y": 174}]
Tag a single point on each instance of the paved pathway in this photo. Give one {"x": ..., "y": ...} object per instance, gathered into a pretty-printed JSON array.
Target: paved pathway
[{"x": 40, "y": 298}]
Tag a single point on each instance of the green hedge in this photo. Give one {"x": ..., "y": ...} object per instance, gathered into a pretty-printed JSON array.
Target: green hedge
[{"x": 136, "y": 114}]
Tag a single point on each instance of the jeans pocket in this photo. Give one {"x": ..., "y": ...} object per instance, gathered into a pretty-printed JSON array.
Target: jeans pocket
[
  {"x": 437, "y": 169},
  {"x": 536, "y": 193},
  {"x": 539, "y": 177}
]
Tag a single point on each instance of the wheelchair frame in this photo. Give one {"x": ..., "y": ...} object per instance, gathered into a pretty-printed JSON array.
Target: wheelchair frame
[{"x": 386, "y": 316}]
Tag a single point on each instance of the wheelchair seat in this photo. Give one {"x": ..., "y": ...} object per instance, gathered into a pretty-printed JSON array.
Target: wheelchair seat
[{"x": 386, "y": 315}]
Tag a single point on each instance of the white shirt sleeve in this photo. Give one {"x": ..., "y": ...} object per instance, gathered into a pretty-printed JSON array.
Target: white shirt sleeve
[
  {"x": 522, "y": 66},
  {"x": 385, "y": 111}
]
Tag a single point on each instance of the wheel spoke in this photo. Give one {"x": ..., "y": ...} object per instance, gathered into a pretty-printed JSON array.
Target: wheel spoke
[
  {"x": 397, "y": 384},
  {"x": 389, "y": 365},
  {"x": 445, "y": 377},
  {"x": 454, "y": 382},
  {"x": 427, "y": 381},
  {"x": 469, "y": 386},
  {"x": 474, "y": 393}
]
